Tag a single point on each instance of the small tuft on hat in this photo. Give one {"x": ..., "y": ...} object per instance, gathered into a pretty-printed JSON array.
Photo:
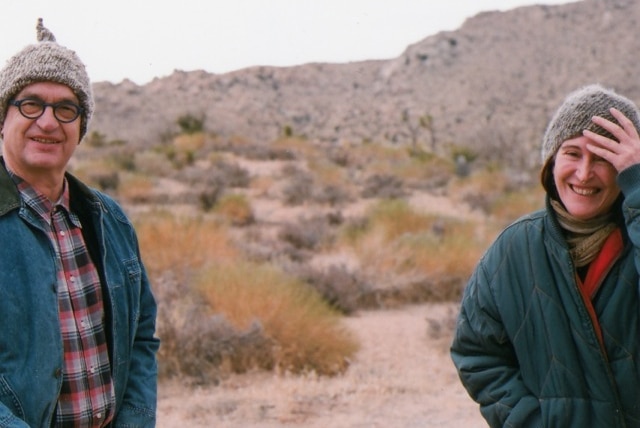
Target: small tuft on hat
[
  {"x": 46, "y": 61},
  {"x": 43, "y": 34}
]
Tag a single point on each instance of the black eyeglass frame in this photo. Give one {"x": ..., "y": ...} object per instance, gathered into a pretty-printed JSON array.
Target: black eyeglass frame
[{"x": 69, "y": 104}]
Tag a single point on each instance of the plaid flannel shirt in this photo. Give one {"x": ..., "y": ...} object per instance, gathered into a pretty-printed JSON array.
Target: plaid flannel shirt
[{"x": 87, "y": 396}]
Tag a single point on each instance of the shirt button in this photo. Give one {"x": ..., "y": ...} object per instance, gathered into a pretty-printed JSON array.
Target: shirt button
[
  {"x": 98, "y": 415},
  {"x": 62, "y": 233}
]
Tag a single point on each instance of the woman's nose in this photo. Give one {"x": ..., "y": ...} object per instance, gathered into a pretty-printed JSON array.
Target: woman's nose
[{"x": 583, "y": 171}]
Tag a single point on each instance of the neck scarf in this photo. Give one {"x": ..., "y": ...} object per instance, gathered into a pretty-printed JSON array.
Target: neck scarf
[{"x": 585, "y": 237}]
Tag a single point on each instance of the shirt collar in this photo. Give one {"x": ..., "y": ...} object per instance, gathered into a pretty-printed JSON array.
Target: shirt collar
[{"x": 40, "y": 203}]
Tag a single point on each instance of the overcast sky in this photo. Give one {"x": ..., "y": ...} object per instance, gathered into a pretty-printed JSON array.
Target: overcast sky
[{"x": 143, "y": 39}]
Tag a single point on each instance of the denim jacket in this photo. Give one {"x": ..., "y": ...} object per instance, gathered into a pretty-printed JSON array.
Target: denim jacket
[{"x": 31, "y": 353}]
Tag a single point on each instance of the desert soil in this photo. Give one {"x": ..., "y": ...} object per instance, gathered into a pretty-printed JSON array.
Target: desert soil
[{"x": 402, "y": 377}]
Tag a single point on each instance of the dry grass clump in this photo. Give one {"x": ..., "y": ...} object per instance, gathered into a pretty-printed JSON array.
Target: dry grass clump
[
  {"x": 153, "y": 163},
  {"x": 189, "y": 142},
  {"x": 182, "y": 244},
  {"x": 99, "y": 173},
  {"x": 415, "y": 256},
  {"x": 301, "y": 148},
  {"x": 135, "y": 188},
  {"x": 235, "y": 208},
  {"x": 201, "y": 346},
  {"x": 219, "y": 314},
  {"x": 307, "y": 233},
  {"x": 512, "y": 205},
  {"x": 343, "y": 288},
  {"x": 306, "y": 333},
  {"x": 383, "y": 186}
]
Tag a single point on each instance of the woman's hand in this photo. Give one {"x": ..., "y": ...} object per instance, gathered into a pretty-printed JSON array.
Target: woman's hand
[{"x": 622, "y": 153}]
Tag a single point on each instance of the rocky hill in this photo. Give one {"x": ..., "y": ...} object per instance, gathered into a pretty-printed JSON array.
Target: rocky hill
[{"x": 489, "y": 86}]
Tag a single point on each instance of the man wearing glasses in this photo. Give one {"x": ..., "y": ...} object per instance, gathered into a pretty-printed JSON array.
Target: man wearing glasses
[{"x": 77, "y": 343}]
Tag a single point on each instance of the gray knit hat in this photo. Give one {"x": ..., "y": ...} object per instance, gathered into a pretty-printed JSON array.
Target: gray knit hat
[
  {"x": 46, "y": 61},
  {"x": 575, "y": 113}
]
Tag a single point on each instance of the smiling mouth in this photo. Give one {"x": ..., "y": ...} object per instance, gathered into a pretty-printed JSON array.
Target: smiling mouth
[
  {"x": 584, "y": 191},
  {"x": 45, "y": 141}
]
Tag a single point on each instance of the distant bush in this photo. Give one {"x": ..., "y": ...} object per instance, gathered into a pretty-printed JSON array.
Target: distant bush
[
  {"x": 200, "y": 346},
  {"x": 190, "y": 124},
  {"x": 306, "y": 334},
  {"x": 231, "y": 174},
  {"x": 135, "y": 188},
  {"x": 299, "y": 187},
  {"x": 218, "y": 314},
  {"x": 421, "y": 257},
  {"x": 383, "y": 186},
  {"x": 236, "y": 209},
  {"x": 342, "y": 288},
  {"x": 152, "y": 163},
  {"x": 199, "y": 242},
  {"x": 306, "y": 233},
  {"x": 209, "y": 196}
]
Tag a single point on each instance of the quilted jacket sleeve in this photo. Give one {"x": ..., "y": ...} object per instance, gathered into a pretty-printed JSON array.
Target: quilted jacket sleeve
[{"x": 486, "y": 361}]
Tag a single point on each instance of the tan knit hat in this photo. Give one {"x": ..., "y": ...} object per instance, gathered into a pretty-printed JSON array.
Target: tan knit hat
[
  {"x": 575, "y": 113},
  {"x": 574, "y": 116},
  {"x": 46, "y": 61}
]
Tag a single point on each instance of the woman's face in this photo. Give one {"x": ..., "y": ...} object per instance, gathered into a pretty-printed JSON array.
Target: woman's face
[{"x": 585, "y": 182}]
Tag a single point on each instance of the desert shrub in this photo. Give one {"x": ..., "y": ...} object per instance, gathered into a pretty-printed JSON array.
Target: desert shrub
[
  {"x": 299, "y": 187},
  {"x": 342, "y": 288},
  {"x": 231, "y": 174},
  {"x": 152, "y": 163},
  {"x": 190, "y": 124},
  {"x": 262, "y": 152},
  {"x": 122, "y": 157},
  {"x": 95, "y": 139},
  {"x": 514, "y": 204},
  {"x": 195, "y": 343},
  {"x": 332, "y": 195},
  {"x": 209, "y": 196},
  {"x": 383, "y": 186},
  {"x": 354, "y": 229},
  {"x": 481, "y": 189},
  {"x": 135, "y": 188},
  {"x": 416, "y": 256},
  {"x": 261, "y": 185},
  {"x": 190, "y": 142},
  {"x": 299, "y": 146},
  {"x": 200, "y": 346},
  {"x": 105, "y": 181},
  {"x": 236, "y": 209},
  {"x": 101, "y": 174},
  {"x": 306, "y": 333},
  {"x": 182, "y": 245},
  {"x": 395, "y": 218},
  {"x": 340, "y": 156},
  {"x": 307, "y": 233}
]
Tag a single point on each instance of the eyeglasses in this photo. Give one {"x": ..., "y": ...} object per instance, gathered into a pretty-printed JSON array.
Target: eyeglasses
[{"x": 64, "y": 111}]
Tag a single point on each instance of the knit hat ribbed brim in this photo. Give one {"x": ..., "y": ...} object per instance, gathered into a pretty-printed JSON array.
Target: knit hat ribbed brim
[{"x": 46, "y": 61}]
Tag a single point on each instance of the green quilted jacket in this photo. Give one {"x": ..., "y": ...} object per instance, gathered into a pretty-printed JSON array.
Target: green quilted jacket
[{"x": 525, "y": 346}]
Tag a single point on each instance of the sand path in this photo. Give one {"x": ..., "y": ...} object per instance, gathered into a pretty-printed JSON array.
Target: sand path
[{"x": 401, "y": 378}]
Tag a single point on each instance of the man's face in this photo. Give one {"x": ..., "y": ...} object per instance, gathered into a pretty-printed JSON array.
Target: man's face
[{"x": 40, "y": 149}]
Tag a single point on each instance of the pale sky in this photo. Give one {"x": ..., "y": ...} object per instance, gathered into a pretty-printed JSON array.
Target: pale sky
[{"x": 143, "y": 39}]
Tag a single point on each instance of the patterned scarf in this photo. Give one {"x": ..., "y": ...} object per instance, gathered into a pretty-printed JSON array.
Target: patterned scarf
[{"x": 585, "y": 237}]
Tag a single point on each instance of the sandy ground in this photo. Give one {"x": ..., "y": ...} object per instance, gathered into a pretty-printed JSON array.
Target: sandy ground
[{"x": 402, "y": 377}]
